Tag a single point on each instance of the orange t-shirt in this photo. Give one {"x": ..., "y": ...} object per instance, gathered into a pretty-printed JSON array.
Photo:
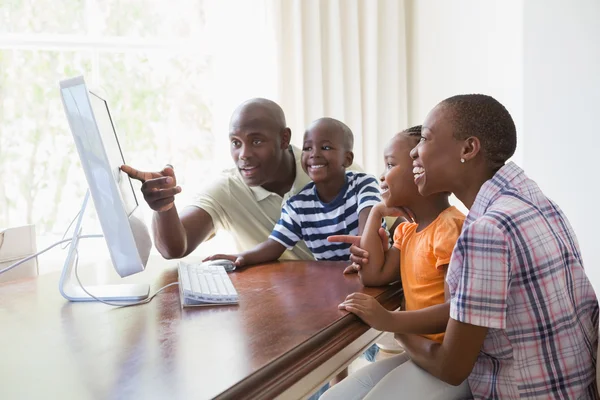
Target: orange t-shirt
[{"x": 422, "y": 256}]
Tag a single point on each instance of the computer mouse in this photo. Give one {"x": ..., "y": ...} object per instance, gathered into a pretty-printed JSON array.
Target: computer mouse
[{"x": 228, "y": 265}]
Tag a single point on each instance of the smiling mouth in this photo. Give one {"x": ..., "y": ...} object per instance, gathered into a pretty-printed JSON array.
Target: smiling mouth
[
  {"x": 316, "y": 167},
  {"x": 418, "y": 172},
  {"x": 384, "y": 189},
  {"x": 248, "y": 170}
]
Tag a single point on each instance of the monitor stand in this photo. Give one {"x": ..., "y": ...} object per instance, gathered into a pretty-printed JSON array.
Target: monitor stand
[{"x": 70, "y": 288}]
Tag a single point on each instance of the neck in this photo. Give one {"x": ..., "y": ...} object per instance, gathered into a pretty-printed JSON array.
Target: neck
[
  {"x": 286, "y": 174},
  {"x": 427, "y": 211},
  {"x": 329, "y": 190},
  {"x": 472, "y": 183}
]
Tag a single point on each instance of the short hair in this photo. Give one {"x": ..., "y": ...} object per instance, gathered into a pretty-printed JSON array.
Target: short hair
[
  {"x": 488, "y": 120},
  {"x": 273, "y": 110},
  {"x": 345, "y": 129}
]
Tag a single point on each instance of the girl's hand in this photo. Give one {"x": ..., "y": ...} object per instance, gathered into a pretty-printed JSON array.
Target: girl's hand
[
  {"x": 368, "y": 309},
  {"x": 386, "y": 211}
]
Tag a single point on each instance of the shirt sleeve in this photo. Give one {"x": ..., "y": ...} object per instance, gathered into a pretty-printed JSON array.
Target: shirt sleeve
[
  {"x": 399, "y": 235},
  {"x": 288, "y": 230},
  {"x": 479, "y": 276},
  {"x": 444, "y": 240},
  {"x": 367, "y": 192},
  {"x": 214, "y": 199}
]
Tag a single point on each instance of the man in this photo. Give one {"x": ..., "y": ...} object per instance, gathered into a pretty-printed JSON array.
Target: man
[{"x": 245, "y": 200}]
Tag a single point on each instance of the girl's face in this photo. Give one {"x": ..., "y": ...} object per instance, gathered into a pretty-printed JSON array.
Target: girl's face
[
  {"x": 436, "y": 159},
  {"x": 397, "y": 186}
]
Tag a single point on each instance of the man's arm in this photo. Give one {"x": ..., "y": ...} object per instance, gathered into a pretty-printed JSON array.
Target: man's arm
[{"x": 177, "y": 235}]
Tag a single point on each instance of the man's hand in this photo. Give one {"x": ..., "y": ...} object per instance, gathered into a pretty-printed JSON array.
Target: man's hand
[
  {"x": 159, "y": 188},
  {"x": 368, "y": 309},
  {"x": 236, "y": 259},
  {"x": 358, "y": 256}
]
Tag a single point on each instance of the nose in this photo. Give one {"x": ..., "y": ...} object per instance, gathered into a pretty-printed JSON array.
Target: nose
[
  {"x": 414, "y": 153},
  {"x": 244, "y": 152},
  {"x": 382, "y": 177}
]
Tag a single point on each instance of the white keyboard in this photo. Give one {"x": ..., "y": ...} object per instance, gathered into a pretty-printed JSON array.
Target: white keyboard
[{"x": 206, "y": 284}]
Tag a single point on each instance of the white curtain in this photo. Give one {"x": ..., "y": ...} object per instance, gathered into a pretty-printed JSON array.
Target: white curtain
[{"x": 344, "y": 59}]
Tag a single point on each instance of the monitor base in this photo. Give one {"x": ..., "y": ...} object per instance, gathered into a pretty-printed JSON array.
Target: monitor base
[
  {"x": 72, "y": 291},
  {"x": 124, "y": 292}
]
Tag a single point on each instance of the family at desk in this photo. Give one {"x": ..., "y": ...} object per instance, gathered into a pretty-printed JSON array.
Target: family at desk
[{"x": 497, "y": 303}]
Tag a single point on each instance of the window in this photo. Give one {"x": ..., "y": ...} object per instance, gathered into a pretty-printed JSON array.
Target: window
[{"x": 149, "y": 58}]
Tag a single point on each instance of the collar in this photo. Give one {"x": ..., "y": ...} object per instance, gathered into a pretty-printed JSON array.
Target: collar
[
  {"x": 300, "y": 180},
  {"x": 509, "y": 175}
]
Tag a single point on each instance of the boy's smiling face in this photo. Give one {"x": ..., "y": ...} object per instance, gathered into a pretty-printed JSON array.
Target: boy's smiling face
[
  {"x": 325, "y": 153},
  {"x": 397, "y": 186}
]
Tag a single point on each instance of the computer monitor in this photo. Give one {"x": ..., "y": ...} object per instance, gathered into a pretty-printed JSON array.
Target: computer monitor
[{"x": 111, "y": 190}]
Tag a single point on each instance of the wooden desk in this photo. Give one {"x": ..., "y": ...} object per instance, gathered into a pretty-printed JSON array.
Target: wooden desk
[{"x": 284, "y": 339}]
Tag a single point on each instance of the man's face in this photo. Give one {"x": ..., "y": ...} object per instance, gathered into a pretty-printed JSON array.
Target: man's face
[
  {"x": 436, "y": 159},
  {"x": 324, "y": 154},
  {"x": 256, "y": 145}
]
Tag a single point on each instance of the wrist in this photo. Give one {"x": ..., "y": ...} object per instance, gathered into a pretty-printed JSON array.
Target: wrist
[{"x": 379, "y": 209}]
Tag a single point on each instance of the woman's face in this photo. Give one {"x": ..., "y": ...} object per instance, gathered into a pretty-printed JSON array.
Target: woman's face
[{"x": 436, "y": 159}]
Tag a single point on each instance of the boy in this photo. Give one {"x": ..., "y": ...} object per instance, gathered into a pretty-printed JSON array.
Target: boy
[{"x": 336, "y": 202}]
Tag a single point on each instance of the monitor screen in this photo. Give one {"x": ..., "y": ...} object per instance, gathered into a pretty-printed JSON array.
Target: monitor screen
[
  {"x": 113, "y": 151},
  {"x": 111, "y": 190}
]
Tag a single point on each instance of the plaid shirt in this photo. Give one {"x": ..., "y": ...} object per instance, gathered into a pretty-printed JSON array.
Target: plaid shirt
[{"x": 517, "y": 270}]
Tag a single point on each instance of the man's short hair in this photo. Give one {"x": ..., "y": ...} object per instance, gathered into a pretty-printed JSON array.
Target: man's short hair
[{"x": 488, "y": 120}]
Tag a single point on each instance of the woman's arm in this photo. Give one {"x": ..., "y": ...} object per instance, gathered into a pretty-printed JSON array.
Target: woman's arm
[{"x": 452, "y": 360}]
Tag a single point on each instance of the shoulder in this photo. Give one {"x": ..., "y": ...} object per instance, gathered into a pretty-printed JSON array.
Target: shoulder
[
  {"x": 360, "y": 180},
  {"x": 451, "y": 219},
  {"x": 404, "y": 229},
  {"x": 226, "y": 182},
  {"x": 304, "y": 196},
  {"x": 511, "y": 211}
]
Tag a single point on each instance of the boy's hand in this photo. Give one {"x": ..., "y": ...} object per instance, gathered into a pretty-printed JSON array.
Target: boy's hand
[
  {"x": 358, "y": 256},
  {"x": 368, "y": 309},
  {"x": 159, "y": 188},
  {"x": 236, "y": 259}
]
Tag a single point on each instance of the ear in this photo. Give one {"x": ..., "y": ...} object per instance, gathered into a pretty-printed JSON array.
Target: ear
[
  {"x": 286, "y": 137},
  {"x": 471, "y": 148},
  {"x": 348, "y": 159}
]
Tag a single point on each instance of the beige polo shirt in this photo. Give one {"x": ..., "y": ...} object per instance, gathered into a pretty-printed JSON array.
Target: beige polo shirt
[{"x": 250, "y": 213}]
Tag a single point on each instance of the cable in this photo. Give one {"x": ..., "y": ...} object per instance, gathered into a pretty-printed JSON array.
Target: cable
[
  {"x": 137, "y": 303},
  {"x": 77, "y": 275},
  {"x": 43, "y": 251},
  {"x": 69, "y": 227}
]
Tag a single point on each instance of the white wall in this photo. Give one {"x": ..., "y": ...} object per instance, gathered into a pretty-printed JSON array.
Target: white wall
[
  {"x": 561, "y": 79},
  {"x": 464, "y": 46},
  {"x": 541, "y": 59}
]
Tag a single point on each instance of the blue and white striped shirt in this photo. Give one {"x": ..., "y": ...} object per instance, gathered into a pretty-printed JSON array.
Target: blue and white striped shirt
[{"x": 305, "y": 217}]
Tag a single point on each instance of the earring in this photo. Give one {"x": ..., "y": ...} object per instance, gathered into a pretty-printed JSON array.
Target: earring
[{"x": 462, "y": 160}]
